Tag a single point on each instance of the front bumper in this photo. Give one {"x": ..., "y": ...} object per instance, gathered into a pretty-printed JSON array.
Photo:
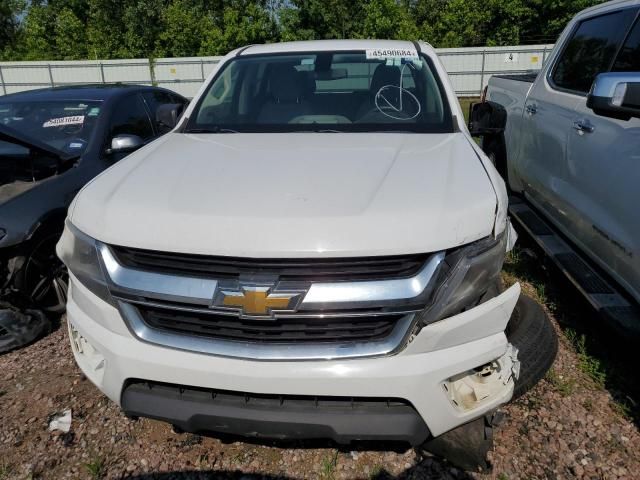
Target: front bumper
[{"x": 421, "y": 374}]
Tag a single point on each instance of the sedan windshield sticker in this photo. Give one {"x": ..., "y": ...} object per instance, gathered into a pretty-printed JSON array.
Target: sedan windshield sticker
[
  {"x": 64, "y": 121},
  {"x": 387, "y": 53}
]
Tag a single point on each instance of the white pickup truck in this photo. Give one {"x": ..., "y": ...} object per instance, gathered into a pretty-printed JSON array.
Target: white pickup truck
[
  {"x": 313, "y": 252},
  {"x": 571, "y": 155}
]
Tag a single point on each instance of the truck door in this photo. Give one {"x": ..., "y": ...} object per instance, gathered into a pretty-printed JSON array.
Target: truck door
[
  {"x": 603, "y": 179},
  {"x": 544, "y": 170}
]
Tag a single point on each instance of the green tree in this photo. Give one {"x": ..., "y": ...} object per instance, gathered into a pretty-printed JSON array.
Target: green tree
[
  {"x": 70, "y": 35},
  {"x": 239, "y": 26},
  {"x": 321, "y": 19},
  {"x": 388, "y": 19},
  {"x": 70, "y": 29},
  {"x": 105, "y": 29},
  {"x": 10, "y": 31},
  {"x": 38, "y": 36},
  {"x": 184, "y": 25},
  {"x": 142, "y": 26}
]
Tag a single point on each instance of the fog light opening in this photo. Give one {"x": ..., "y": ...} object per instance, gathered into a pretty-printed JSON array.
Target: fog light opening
[
  {"x": 93, "y": 359},
  {"x": 474, "y": 388}
]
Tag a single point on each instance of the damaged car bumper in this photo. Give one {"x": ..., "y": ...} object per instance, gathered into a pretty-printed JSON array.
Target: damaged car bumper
[{"x": 452, "y": 372}]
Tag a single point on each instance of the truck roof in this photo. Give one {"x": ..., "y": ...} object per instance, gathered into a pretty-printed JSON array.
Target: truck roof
[
  {"x": 610, "y": 5},
  {"x": 326, "y": 45}
]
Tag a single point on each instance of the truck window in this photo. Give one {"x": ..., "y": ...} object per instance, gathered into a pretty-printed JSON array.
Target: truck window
[
  {"x": 130, "y": 117},
  {"x": 591, "y": 49},
  {"x": 349, "y": 91},
  {"x": 629, "y": 57}
]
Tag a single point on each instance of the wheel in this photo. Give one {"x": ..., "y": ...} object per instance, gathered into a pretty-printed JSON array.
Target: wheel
[
  {"x": 531, "y": 332},
  {"x": 44, "y": 278}
]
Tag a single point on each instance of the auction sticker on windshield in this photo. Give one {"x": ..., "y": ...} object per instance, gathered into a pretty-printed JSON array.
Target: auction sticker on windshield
[
  {"x": 63, "y": 121},
  {"x": 386, "y": 53}
]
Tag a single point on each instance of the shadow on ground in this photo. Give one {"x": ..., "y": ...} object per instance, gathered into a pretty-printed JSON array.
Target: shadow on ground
[{"x": 607, "y": 357}]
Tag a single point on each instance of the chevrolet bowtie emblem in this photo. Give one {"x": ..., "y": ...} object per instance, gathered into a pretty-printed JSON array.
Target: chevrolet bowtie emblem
[{"x": 255, "y": 300}]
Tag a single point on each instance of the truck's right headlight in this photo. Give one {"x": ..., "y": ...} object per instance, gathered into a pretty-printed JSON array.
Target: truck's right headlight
[
  {"x": 464, "y": 278},
  {"x": 79, "y": 253}
]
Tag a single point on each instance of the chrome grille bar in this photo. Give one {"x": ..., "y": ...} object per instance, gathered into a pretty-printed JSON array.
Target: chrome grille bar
[{"x": 321, "y": 295}]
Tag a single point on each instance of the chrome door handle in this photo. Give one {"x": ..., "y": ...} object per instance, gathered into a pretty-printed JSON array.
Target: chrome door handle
[
  {"x": 583, "y": 126},
  {"x": 531, "y": 109}
]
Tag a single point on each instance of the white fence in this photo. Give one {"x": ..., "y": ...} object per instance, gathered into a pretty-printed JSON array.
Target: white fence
[{"x": 469, "y": 68}]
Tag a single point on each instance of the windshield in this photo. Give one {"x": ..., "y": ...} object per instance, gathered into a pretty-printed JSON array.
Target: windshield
[
  {"x": 372, "y": 91},
  {"x": 64, "y": 125}
]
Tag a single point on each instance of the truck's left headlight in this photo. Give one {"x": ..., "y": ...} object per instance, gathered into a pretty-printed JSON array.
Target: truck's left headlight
[
  {"x": 79, "y": 253},
  {"x": 464, "y": 278}
]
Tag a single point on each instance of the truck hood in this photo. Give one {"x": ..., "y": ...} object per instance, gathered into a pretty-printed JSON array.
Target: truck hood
[{"x": 292, "y": 195}]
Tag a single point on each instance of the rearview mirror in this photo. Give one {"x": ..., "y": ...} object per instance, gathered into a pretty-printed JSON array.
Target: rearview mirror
[
  {"x": 125, "y": 143},
  {"x": 332, "y": 74},
  {"x": 616, "y": 95},
  {"x": 487, "y": 118},
  {"x": 168, "y": 114}
]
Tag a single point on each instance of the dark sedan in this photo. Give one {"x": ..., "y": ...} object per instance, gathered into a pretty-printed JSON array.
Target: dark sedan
[{"x": 52, "y": 142}]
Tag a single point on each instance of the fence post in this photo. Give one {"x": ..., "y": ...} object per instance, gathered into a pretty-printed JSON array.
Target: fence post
[
  {"x": 50, "y": 75},
  {"x": 152, "y": 72},
  {"x": 544, "y": 56},
  {"x": 202, "y": 69},
  {"x": 102, "y": 72},
  {"x": 484, "y": 52},
  {"x": 4, "y": 87}
]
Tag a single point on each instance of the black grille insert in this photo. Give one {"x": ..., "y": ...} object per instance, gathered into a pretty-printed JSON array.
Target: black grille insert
[
  {"x": 369, "y": 268},
  {"x": 280, "y": 417},
  {"x": 281, "y": 330}
]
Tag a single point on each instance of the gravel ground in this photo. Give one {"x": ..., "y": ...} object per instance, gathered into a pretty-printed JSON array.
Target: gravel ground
[{"x": 569, "y": 426}]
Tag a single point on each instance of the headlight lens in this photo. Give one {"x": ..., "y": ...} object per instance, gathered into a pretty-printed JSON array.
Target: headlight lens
[
  {"x": 465, "y": 276},
  {"x": 79, "y": 253}
]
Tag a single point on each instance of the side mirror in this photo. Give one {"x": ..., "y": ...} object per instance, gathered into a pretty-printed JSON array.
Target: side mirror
[
  {"x": 616, "y": 95},
  {"x": 487, "y": 118},
  {"x": 125, "y": 143},
  {"x": 168, "y": 114}
]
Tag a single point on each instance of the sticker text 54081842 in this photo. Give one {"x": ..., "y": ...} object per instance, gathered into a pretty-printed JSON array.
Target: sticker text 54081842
[{"x": 63, "y": 121}]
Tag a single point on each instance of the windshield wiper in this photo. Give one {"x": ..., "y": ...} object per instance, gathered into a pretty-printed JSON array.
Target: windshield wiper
[{"x": 211, "y": 130}]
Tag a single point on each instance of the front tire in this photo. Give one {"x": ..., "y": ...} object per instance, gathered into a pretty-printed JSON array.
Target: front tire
[{"x": 532, "y": 333}]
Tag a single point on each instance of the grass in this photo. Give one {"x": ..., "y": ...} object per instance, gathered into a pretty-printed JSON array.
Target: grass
[
  {"x": 592, "y": 366},
  {"x": 465, "y": 102},
  {"x": 5, "y": 470},
  {"x": 376, "y": 472},
  {"x": 564, "y": 386},
  {"x": 97, "y": 467},
  {"x": 328, "y": 467}
]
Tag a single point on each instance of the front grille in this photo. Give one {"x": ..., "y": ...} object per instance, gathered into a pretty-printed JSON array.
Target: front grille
[
  {"x": 281, "y": 330},
  {"x": 369, "y": 268}
]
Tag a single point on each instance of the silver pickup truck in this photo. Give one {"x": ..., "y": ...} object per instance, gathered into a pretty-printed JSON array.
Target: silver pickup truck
[{"x": 570, "y": 153}]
